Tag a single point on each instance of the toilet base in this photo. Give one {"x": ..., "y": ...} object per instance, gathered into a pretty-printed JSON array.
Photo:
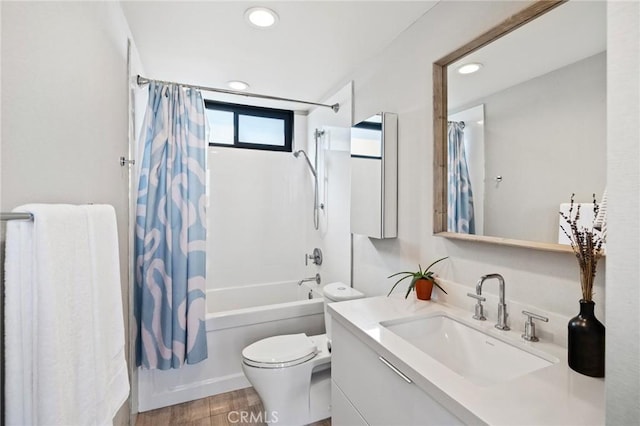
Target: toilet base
[
  {"x": 320, "y": 396},
  {"x": 307, "y": 396}
]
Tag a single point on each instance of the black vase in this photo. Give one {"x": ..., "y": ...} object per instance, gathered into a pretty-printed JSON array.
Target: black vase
[{"x": 586, "y": 342}]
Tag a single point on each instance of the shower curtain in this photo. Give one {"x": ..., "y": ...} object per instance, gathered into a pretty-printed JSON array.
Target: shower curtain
[
  {"x": 170, "y": 237},
  {"x": 460, "y": 217}
]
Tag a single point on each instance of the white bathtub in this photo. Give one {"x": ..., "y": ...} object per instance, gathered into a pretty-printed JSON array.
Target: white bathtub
[{"x": 237, "y": 316}]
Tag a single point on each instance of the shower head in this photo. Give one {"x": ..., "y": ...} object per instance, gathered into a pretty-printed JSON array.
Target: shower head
[{"x": 297, "y": 154}]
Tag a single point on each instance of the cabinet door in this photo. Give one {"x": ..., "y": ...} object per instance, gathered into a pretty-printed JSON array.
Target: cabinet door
[
  {"x": 380, "y": 394},
  {"x": 374, "y": 176},
  {"x": 342, "y": 412}
]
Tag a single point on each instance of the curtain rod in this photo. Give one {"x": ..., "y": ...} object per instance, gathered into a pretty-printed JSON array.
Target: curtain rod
[{"x": 143, "y": 80}]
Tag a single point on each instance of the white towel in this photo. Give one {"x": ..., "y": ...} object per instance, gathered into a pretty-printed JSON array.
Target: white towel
[
  {"x": 18, "y": 310},
  {"x": 601, "y": 219},
  {"x": 112, "y": 379},
  {"x": 72, "y": 376},
  {"x": 586, "y": 221}
]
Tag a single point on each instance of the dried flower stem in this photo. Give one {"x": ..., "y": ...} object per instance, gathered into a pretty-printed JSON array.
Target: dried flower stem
[{"x": 586, "y": 245}]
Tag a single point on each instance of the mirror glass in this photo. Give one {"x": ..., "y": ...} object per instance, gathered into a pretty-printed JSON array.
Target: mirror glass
[
  {"x": 374, "y": 176},
  {"x": 528, "y": 128}
]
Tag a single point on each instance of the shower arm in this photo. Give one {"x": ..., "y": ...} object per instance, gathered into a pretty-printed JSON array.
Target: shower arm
[{"x": 313, "y": 170}]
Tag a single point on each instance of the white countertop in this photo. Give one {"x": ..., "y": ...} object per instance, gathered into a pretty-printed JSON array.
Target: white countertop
[{"x": 554, "y": 395}]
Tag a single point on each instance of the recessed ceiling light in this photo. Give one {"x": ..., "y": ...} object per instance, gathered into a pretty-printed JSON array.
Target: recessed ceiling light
[
  {"x": 469, "y": 68},
  {"x": 261, "y": 17},
  {"x": 237, "y": 85}
]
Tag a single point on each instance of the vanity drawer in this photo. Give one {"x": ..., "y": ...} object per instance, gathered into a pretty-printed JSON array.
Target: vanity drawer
[
  {"x": 342, "y": 412},
  {"x": 378, "y": 390}
]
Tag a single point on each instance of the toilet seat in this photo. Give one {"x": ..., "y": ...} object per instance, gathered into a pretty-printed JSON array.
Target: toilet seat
[{"x": 280, "y": 351}]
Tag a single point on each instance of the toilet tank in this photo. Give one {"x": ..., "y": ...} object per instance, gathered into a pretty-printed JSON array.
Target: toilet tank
[{"x": 337, "y": 292}]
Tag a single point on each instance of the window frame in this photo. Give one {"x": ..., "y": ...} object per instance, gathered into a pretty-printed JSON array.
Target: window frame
[
  {"x": 255, "y": 111},
  {"x": 368, "y": 125}
]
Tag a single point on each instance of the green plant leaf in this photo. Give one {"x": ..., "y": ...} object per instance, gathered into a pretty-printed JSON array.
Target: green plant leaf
[
  {"x": 438, "y": 285},
  {"x": 398, "y": 282},
  {"x": 408, "y": 291},
  {"x": 439, "y": 260},
  {"x": 398, "y": 273},
  {"x": 412, "y": 286}
]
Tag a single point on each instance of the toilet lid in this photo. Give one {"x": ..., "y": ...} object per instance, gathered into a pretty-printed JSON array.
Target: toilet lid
[
  {"x": 279, "y": 350},
  {"x": 337, "y": 292}
]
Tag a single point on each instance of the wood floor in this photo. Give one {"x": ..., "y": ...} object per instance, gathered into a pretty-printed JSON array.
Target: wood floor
[{"x": 228, "y": 409}]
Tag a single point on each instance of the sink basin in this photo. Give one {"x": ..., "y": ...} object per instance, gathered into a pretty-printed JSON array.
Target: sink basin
[{"x": 476, "y": 356}]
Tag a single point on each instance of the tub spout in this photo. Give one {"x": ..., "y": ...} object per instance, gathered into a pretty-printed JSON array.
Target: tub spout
[{"x": 305, "y": 280}]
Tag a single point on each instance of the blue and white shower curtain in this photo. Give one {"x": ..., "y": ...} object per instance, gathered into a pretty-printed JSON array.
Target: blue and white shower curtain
[
  {"x": 170, "y": 237},
  {"x": 460, "y": 216}
]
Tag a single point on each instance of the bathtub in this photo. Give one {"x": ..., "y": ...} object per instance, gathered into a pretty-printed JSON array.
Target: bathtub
[{"x": 236, "y": 317}]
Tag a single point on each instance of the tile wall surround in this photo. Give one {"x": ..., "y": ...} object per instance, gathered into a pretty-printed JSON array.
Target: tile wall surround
[
  {"x": 333, "y": 237},
  {"x": 259, "y": 213}
]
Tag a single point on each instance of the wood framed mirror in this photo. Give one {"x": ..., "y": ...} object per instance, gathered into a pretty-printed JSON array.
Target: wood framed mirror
[{"x": 505, "y": 218}]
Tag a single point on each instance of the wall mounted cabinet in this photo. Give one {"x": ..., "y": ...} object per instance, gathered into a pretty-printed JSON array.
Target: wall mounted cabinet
[{"x": 374, "y": 176}]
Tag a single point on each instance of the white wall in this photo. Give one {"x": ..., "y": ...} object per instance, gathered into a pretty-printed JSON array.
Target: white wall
[
  {"x": 138, "y": 99},
  {"x": 400, "y": 80},
  {"x": 333, "y": 237},
  {"x": 261, "y": 205},
  {"x": 259, "y": 214},
  {"x": 64, "y": 110},
  {"x": 623, "y": 240},
  {"x": 546, "y": 137}
]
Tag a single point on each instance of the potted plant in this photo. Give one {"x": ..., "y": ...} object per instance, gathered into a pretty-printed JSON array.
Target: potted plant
[{"x": 421, "y": 281}]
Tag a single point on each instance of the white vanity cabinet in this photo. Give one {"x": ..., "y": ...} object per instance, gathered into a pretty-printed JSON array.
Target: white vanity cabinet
[{"x": 366, "y": 391}]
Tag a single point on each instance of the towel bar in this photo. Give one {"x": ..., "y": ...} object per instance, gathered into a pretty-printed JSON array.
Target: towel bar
[
  {"x": 15, "y": 216},
  {"x": 4, "y": 216}
]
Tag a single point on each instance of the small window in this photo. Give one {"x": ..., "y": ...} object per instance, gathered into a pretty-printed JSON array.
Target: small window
[
  {"x": 366, "y": 139},
  {"x": 244, "y": 126}
]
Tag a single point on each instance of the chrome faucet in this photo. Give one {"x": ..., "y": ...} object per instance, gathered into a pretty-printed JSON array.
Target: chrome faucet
[
  {"x": 305, "y": 280},
  {"x": 502, "y": 306}
]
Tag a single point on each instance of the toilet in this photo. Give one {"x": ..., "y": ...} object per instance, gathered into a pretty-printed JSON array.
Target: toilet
[{"x": 292, "y": 372}]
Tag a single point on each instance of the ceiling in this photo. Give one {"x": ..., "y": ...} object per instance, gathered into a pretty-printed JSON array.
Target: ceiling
[
  {"x": 567, "y": 34},
  {"x": 312, "y": 49}
]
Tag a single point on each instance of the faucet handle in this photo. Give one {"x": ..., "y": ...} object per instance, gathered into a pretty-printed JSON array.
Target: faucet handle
[
  {"x": 536, "y": 316},
  {"x": 477, "y": 297},
  {"x": 315, "y": 257},
  {"x": 530, "y": 328},
  {"x": 479, "y": 309}
]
